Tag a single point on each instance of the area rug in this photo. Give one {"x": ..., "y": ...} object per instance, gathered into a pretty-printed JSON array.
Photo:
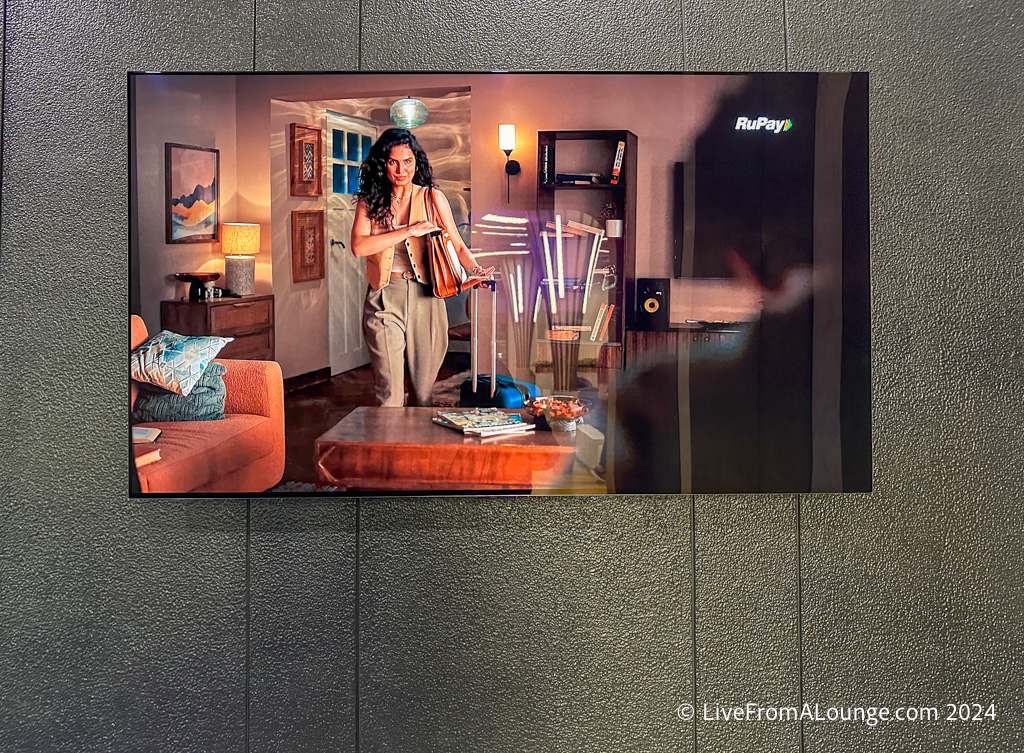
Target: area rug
[{"x": 447, "y": 391}]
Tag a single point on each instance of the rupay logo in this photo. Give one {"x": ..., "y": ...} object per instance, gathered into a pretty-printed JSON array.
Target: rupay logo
[{"x": 763, "y": 123}]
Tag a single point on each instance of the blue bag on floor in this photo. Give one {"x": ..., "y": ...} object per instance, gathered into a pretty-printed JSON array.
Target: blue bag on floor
[{"x": 508, "y": 393}]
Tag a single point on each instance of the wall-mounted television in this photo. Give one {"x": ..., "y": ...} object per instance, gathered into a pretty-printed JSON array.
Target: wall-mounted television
[{"x": 658, "y": 283}]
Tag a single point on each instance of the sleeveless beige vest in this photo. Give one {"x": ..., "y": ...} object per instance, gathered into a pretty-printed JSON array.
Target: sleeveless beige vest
[{"x": 378, "y": 266}]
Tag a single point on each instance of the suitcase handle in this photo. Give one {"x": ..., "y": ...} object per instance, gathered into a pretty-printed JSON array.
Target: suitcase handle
[{"x": 474, "y": 330}]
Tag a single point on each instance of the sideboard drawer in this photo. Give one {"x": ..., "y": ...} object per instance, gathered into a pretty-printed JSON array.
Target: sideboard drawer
[
  {"x": 249, "y": 320},
  {"x": 235, "y": 317},
  {"x": 256, "y": 347}
]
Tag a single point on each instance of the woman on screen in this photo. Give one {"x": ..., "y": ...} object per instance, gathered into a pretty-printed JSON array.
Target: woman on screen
[{"x": 403, "y": 322}]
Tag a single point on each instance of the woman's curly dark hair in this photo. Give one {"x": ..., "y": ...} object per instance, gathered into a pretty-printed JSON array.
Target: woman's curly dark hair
[{"x": 374, "y": 186}]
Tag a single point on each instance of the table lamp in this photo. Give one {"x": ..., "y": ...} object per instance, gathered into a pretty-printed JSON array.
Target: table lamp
[{"x": 240, "y": 242}]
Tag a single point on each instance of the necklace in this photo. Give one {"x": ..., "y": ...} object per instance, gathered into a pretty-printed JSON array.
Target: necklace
[{"x": 399, "y": 199}]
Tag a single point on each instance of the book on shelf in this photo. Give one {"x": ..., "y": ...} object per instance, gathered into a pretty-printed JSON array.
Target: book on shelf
[
  {"x": 145, "y": 455},
  {"x": 601, "y": 312},
  {"x": 567, "y": 230},
  {"x": 579, "y": 179},
  {"x": 571, "y": 227},
  {"x": 607, "y": 320},
  {"x": 617, "y": 164},
  {"x": 144, "y": 434},
  {"x": 584, "y": 228},
  {"x": 545, "y": 164},
  {"x": 563, "y": 335}
]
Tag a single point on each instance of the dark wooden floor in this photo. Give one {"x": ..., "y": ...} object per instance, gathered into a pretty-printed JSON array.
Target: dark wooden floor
[{"x": 311, "y": 411}]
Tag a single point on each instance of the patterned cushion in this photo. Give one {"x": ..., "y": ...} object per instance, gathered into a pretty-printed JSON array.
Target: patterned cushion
[
  {"x": 175, "y": 362},
  {"x": 204, "y": 403}
]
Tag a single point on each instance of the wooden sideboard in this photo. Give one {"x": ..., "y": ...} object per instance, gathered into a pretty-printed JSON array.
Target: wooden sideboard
[{"x": 250, "y": 320}]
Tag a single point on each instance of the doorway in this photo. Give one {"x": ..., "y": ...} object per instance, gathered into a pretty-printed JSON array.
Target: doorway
[{"x": 348, "y": 141}]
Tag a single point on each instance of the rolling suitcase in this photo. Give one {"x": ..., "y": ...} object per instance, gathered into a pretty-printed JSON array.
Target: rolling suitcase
[{"x": 480, "y": 390}]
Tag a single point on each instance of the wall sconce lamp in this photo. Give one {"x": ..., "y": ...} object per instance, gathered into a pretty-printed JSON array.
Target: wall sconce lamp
[
  {"x": 240, "y": 242},
  {"x": 507, "y": 142}
]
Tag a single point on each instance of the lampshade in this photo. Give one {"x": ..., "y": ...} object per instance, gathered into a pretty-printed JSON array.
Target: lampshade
[
  {"x": 408, "y": 113},
  {"x": 507, "y": 137},
  {"x": 240, "y": 239}
]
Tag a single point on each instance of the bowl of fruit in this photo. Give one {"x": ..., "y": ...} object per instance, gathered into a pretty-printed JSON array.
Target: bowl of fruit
[{"x": 558, "y": 412}]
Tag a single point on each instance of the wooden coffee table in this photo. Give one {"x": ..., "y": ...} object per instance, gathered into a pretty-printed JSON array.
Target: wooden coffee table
[{"x": 401, "y": 449}]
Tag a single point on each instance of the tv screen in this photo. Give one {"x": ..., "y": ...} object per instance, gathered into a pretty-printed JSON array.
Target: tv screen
[{"x": 498, "y": 283}]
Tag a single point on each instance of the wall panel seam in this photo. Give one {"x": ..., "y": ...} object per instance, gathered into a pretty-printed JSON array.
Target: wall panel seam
[
  {"x": 248, "y": 617},
  {"x": 682, "y": 32},
  {"x": 800, "y": 614},
  {"x": 693, "y": 607},
  {"x": 785, "y": 52},
  {"x": 357, "y": 606},
  {"x": 3, "y": 102}
]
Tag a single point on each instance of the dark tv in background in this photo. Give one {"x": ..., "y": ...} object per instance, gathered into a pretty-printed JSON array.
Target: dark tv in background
[{"x": 786, "y": 202}]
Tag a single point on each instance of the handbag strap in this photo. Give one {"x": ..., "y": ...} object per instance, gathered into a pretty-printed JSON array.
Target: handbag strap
[{"x": 433, "y": 210}]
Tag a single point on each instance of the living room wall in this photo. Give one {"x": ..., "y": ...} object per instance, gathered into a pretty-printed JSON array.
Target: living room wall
[
  {"x": 667, "y": 114},
  {"x": 509, "y": 624},
  {"x": 302, "y": 310},
  {"x": 195, "y": 111}
]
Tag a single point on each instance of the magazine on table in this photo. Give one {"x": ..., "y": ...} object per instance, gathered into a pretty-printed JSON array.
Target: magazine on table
[{"x": 483, "y": 421}]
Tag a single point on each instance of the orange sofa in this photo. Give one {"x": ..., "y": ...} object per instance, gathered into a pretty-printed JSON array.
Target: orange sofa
[{"x": 244, "y": 452}]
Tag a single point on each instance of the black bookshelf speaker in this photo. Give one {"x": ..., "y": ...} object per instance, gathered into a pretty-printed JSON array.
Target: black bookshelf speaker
[{"x": 652, "y": 305}]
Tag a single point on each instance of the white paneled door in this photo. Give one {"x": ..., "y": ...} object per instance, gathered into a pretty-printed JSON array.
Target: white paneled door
[{"x": 348, "y": 141}]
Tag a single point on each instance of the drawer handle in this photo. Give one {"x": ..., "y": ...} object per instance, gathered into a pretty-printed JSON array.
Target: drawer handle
[
  {"x": 248, "y": 332},
  {"x": 242, "y": 305}
]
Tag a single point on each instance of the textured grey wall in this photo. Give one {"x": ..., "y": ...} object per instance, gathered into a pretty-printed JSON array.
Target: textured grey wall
[{"x": 517, "y": 625}]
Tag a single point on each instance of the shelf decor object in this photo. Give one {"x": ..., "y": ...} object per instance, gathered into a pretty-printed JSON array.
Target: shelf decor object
[
  {"x": 197, "y": 283},
  {"x": 306, "y": 160},
  {"x": 308, "y": 245},
  {"x": 192, "y": 183},
  {"x": 558, "y": 412},
  {"x": 240, "y": 242}
]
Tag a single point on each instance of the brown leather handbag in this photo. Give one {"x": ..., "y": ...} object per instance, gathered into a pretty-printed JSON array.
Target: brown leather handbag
[{"x": 446, "y": 273}]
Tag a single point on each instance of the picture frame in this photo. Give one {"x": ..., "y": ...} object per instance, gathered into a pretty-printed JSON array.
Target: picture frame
[
  {"x": 308, "y": 245},
  {"x": 192, "y": 193},
  {"x": 306, "y": 160}
]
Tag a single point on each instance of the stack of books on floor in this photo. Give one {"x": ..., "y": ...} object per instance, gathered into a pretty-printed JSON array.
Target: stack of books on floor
[{"x": 483, "y": 422}]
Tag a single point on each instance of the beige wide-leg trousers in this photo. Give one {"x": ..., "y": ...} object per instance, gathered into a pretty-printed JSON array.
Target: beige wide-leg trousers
[{"x": 404, "y": 323}]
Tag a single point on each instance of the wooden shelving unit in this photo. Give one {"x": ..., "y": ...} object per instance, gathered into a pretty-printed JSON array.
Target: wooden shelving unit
[
  {"x": 592, "y": 152},
  {"x": 595, "y": 154}
]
